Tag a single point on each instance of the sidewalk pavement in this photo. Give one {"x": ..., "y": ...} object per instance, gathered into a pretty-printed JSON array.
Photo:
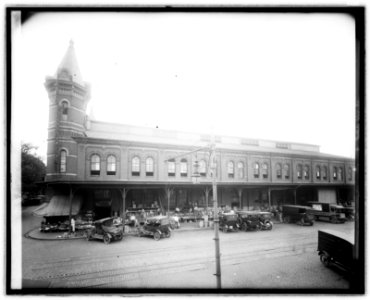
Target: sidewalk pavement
[{"x": 80, "y": 234}]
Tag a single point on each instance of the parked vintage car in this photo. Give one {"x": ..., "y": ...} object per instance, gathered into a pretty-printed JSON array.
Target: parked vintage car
[
  {"x": 336, "y": 248},
  {"x": 229, "y": 222},
  {"x": 106, "y": 229},
  {"x": 265, "y": 219},
  {"x": 299, "y": 214},
  {"x": 54, "y": 224},
  {"x": 249, "y": 220},
  {"x": 328, "y": 212},
  {"x": 157, "y": 227}
]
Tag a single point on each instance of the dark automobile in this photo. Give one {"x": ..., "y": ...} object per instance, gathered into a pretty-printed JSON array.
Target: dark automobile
[
  {"x": 265, "y": 219},
  {"x": 157, "y": 227},
  {"x": 299, "y": 214},
  {"x": 54, "y": 224},
  {"x": 336, "y": 248},
  {"x": 229, "y": 222},
  {"x": 106, "y": 229},
  {"x": 329, "y": 212},
  {"x": 249, "y": 220}
]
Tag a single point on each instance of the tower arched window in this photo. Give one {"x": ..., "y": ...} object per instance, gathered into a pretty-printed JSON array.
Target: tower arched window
[
  {"x": 318, "y": 172},
  {"x": 265, "y": 172},
  {"x": 149, "y": 166},
  {"x": 306, "y": 172},
  {"x": 171, "y": 167},
  {"x": 95, "y": 165},
  {"x": 135, "y": 166},
  {"x": 286, "y": 171},
  {"x": 256, "y": 170},
  {"x": 299, "y": 171},
  {"x": 64, "y": 110},
  {"x": 63, "y": 161},
  {"x": 230, "y": 169},
  {"x": 202, "y": 168},
  {"x": 240, "y": 170},
  {"x": 111, "y": 165},
  {"x": 278, "y": 170},
  {"x": 184, "y": 167}
]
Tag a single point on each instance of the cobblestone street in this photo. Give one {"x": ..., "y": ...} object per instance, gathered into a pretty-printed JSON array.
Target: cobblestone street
[{"x": 285, "y": 257}]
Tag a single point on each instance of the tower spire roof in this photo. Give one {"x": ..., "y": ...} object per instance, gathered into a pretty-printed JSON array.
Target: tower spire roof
[{"x": 69, "y": 66}]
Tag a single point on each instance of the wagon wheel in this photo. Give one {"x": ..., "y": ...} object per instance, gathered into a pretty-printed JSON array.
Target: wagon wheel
[
  {"x": 106, "y": 239},
  {"x": 157, "y": 235},
  {"x": 244, "y": 227},
  {"x": 167, "y": 234},
  {"x": 325, "y": 259}
]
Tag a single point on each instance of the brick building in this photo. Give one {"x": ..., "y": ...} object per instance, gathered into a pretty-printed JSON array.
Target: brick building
[{"x": 109, "y": 168}]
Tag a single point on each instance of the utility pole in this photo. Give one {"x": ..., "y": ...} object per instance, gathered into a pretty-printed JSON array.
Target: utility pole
[{"x": 215, "y": 209}]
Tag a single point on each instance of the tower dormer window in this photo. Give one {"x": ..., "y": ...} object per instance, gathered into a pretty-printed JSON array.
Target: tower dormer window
[
  {"x": 64, "y": 110},
  {"x": 63, "y": 161}
]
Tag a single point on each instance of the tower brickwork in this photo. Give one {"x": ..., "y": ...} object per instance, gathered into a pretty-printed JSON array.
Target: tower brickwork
[{"x": 68, "y": 99}]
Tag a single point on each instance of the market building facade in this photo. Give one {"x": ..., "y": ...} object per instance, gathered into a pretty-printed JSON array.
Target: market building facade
[{"x": 111, "y": 168}]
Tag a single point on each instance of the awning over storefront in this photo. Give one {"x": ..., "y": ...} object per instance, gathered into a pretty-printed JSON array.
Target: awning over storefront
[{"x": 58, "y": 206}]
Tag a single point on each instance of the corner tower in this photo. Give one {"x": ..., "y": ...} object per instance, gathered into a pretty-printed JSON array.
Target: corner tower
[{"x": 68, "y": 98}]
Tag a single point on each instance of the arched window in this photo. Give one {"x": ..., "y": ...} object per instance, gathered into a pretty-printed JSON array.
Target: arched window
[
  {"x": 335, "y": 173},
  {"x": 64, "y": 110},
  {"x": 171, "y": 168},
  {"x": 184, "y": 167},
  {"x": 286, "y": 171},
  {"x": 324, "y": 172},
  {"x": 63, "y": 161},
  {"x": 240, "y": 170},
  {"x": 306, "y": 172},
  {"x": 135, "y": 166},
  {"x": 202, "y": 168},
  {"x": 265, "y": 171},
  {"x": 340, "y": 173},
  {"x": 111, "y": 165},
  {"x": 278, "y": 170},
  {"x": 350, "y": 173},
  {"x": 230, "y": 169},
  {"x": 299, "y": 171},
  {"x": 95, "y": 165},
  {"x": 256, "y": 170},
  {"x": 318, "y": 172},
  {"x": 149, "y": 166}
]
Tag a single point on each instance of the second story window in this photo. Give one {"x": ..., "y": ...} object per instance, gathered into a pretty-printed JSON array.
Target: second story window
[
  {"x": 299, "y": 171},
  {"x": 240, "y": 170},
  {"x": 350, "y": 173},
  {"x": 63, "y": 161},
  {"x": 184, "y": 168},
  {"x": 135, "y": 167},
  {"x": 325, "y": 172},
  {"x": 171, "y": 168},
  {"x": 265, "y": 172},
  {"x": 286, "y": 171},
  {"x": 111, "y": 165},
  {"x": 230, "y": 169},
  {"x": 202, "y": 168},
  {"x": 278, "y": 171},
  {"x": 306, "y": 172},
  {"x": 149, "y": 167},
  {"x": 256, "y": 170},
  {"x": 95, "y": 165},
  {"x": 318, "y": 172},
  {"x": 340, "y": 173},
  {"x": 335, "y": 173}
]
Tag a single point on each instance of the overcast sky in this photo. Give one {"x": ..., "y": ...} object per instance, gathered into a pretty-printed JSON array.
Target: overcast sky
[{"x": 288, "y": 77}]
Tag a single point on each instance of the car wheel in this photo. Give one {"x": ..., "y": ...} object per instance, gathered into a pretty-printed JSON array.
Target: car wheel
[
  {"x": 157, "y": 235},
  {"x": 224, "y": 229},
  {"x": 168, "y": 234},
  {"x": 325, "y": 259},
  {"x": 244, "y": 227},
  {"x": 333, "y": 219},
  {"x": 106, "y": 239},
  {"x": 268, "y": 226},
  {"x": 119, "y": 237}
]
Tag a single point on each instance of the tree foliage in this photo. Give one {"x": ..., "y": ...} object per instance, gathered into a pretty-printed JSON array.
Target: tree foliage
[{"x": 33, "y": 169}]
